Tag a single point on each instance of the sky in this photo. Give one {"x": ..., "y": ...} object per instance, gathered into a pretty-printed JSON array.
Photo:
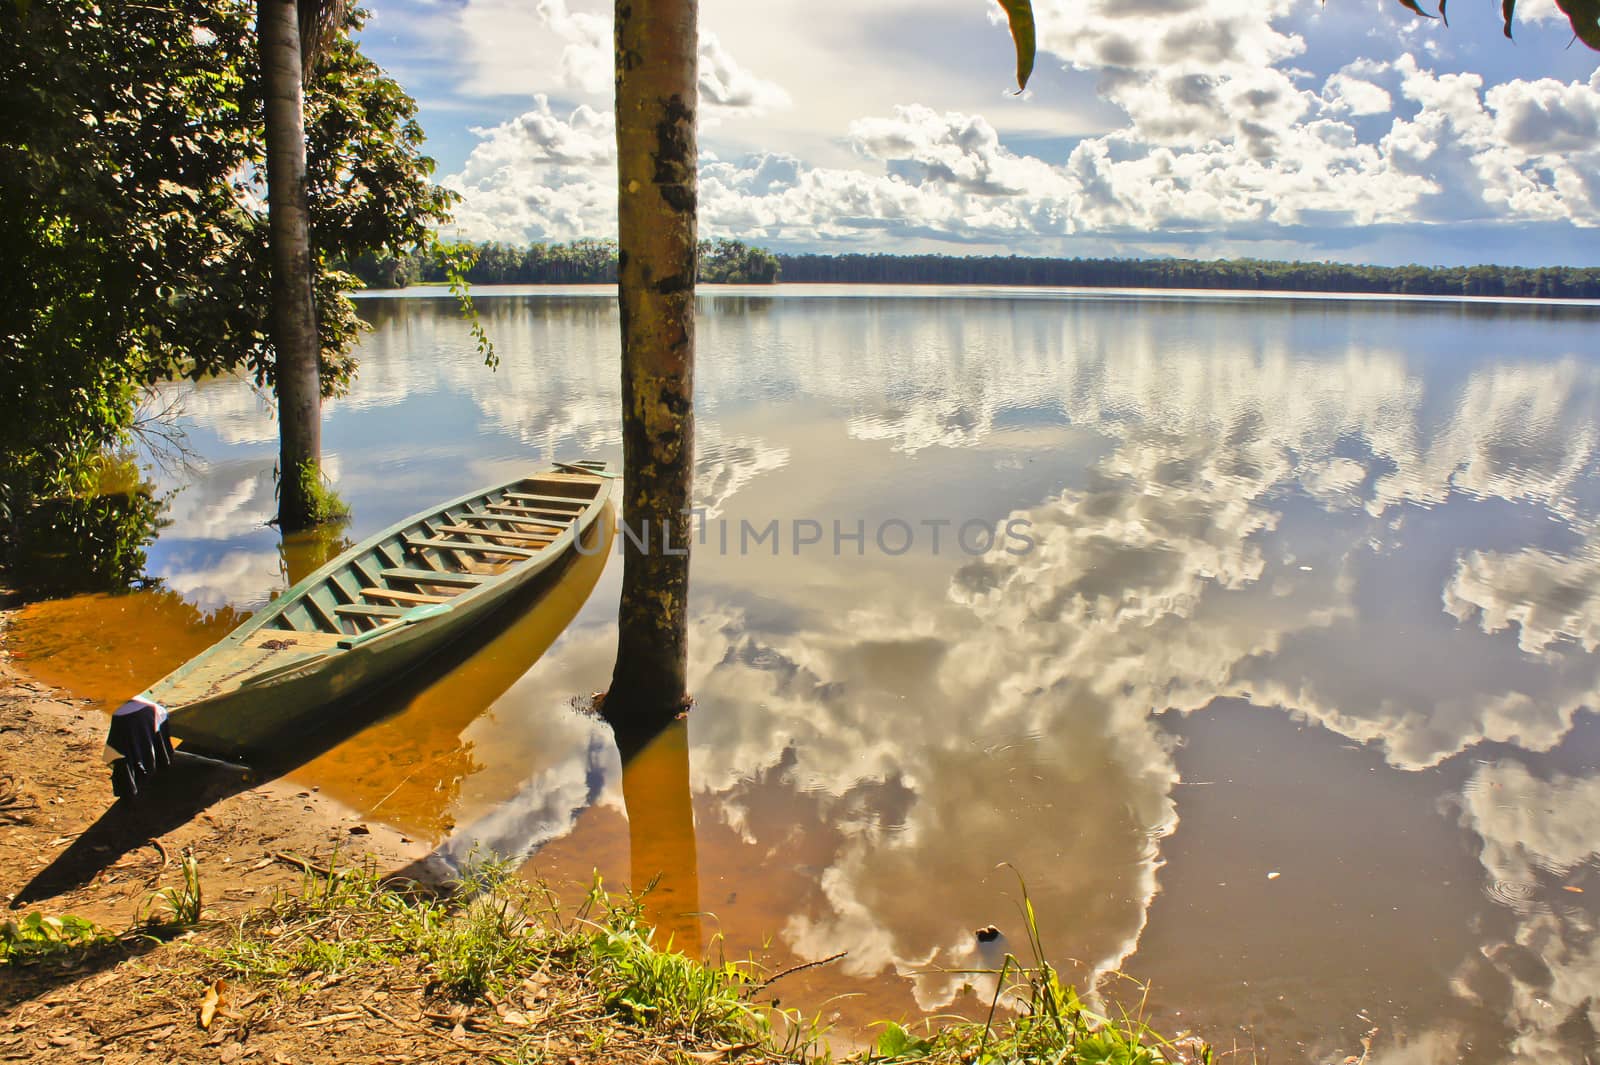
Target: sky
[{"x": 1349, "y": 130}]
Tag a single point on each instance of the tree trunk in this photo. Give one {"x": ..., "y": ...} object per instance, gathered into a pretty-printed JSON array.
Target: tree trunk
[
  {"x": 294, "y": 313},
  {"x": 656, "y": 188}
]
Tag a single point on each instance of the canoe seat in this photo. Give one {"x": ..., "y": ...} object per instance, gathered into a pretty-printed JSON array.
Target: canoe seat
[
  {"x": 531, "y": 497},
  {"x": 507, "y": 508},
  {"x": 366, "y": 610},
  {"x": 429, "y": 576},
  {"x": 563, "y": 516},
  {"x": 395, "y": 596},
  {"x": 534, "y": 539},
  {"x": 471, "y": 548},
  {"x": 507, "y": 519}
]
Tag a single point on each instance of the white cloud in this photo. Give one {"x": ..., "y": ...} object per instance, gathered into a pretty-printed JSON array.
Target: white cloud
[
  {"x": 724, "y": 84},
  {"x": 1203, "y": 124},
  {"x": 541, "y": 138},
  {"x": 1357, "y": 96},
  {"x": 1547, "y": 117},
  {"x": 1245, "y": 148}
]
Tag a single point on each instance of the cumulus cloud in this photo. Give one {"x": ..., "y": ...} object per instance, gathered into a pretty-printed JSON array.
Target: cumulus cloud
[
  {"x": 724, "y": 84},
  {"x": 1547, "y": 117},
  {"x": 1220, "y": 133},
  {"x": 949, "y": 176},
  {"x": 1356, "y": 95},
  {"x": 542, "y": 138}
]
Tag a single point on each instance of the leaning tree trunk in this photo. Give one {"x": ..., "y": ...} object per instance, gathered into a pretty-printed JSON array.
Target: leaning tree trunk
[
  {"x": 294, "y": 313},
  {"x": 656, "y": 180}
]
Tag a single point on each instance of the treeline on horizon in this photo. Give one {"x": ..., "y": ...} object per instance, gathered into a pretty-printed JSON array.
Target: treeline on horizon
[
  {"x": 1551, "y": 282},
  {"x": 579, "y": 262},
  {"x": 734, "y": 262}
]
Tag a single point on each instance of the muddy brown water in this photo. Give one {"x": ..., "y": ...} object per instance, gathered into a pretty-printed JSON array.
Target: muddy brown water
[{"x": 1259, "y": 640}]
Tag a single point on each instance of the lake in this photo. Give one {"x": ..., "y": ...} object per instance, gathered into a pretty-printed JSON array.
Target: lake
[{"x": 1255, "y": 635}]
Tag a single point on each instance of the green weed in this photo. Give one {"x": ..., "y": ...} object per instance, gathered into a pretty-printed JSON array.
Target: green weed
[
  {"x": 38, "y": 937},
  {"x": 496, "y": 933},
  {"x": 1048, "y": 1022}
]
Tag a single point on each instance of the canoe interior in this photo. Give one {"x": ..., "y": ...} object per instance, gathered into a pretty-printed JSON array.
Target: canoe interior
[
  {"x": 411, "y": 577},
  {"x": 435, "y": 559}
]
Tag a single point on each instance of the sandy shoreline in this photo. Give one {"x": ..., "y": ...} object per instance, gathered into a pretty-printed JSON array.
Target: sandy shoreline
[{"x": 64, "y": 848}]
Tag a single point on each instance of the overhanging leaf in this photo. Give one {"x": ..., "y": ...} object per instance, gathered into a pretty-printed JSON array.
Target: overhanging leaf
[
  {"x": 1585, "y": 18},
  {"x": 1411, "y": 5},
  {"x": 1019, "y": 13},
  {"x": 1508, "y": 8}
]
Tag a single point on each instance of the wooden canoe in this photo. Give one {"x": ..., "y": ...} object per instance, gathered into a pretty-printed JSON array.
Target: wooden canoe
[{"x": 378, "y": 609}]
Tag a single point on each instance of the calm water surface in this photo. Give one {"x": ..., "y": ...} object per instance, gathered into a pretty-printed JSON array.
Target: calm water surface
[{"x": 1286, "y": 711}]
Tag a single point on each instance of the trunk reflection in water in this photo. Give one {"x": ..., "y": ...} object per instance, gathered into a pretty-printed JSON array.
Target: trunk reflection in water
[{"x": 661, "y": 850}]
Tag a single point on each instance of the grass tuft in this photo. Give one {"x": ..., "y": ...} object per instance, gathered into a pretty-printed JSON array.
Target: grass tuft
[
  {"x": 39, "y": 937},
  {"x": 499, "y": 940}
]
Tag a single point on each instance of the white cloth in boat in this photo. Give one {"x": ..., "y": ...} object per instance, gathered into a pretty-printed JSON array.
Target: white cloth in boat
[{"x": 137, "y": 745}]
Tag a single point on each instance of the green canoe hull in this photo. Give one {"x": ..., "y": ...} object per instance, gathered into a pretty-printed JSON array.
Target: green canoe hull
[{"x": 377, "y": 611}]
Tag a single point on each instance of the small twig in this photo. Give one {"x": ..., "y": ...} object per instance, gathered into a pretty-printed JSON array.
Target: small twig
[
  {"x": 403, "y": 1026},
  {"x": 108, "y": 1040},
  {"x": 332, "y": 1018},
  {"x": 769, "y": 981},
  {"x": 302, "y": 864}
]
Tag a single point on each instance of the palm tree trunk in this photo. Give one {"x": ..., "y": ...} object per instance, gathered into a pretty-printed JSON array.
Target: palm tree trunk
[
  {"x": 657, "y": 97},
  {"x": 294, "y": 313}
]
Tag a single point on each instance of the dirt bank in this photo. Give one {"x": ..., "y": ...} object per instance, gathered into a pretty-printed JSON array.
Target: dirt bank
[{"x": 64, "y": 847}]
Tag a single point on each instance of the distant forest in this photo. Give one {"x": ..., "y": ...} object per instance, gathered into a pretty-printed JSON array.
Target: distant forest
[
  {"x": 578, "y": 263},
  {"x": 734, "y": 262}
]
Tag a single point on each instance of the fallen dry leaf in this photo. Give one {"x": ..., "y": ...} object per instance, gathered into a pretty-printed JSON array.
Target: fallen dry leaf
[{"x": 209, "y": 1004}]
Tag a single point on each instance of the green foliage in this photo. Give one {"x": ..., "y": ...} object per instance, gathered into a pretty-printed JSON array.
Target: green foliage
[
  {"x": 37, "y": 938},
  {"x": 132, "y": 211},
  {"x": 1019, "y": 15},
  {"x": 458, "y": 259},
  {"x": 496, "y": 932},
  {"x": 579, "y": 262},
  {"x": 92, "y": 539},
  {"x": 736, "y": 263},
  {"x": 476, "y": 948},
  {"x": 119, "y": 133},
  {"x": 661, "y": 989},
  {"x": 1048, "y": 1023},
  {"x": 1584, "y": 15},
  {"x": 186, "y": 902},
  {"x": 370, "y": 194},
  {"x": 326, "y": 506}
]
